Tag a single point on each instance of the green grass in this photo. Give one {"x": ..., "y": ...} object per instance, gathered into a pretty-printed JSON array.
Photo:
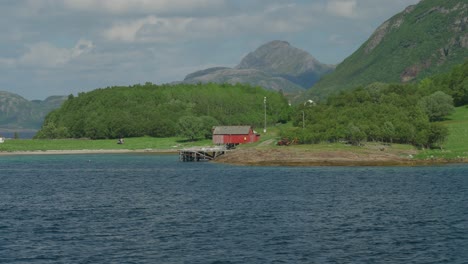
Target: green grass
[
  {"x": 107, "y": 144},
  {"x": 270, "y": 139},
  {"x": 457, "y": 142},
  {"x": 456, "y": 146}
]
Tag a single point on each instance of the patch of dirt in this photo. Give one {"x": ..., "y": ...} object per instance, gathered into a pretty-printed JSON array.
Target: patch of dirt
[
  {"x": 266, "y": 143},
  {"x": 412, "y": 72},
  {"x": 285, "y": 156}
]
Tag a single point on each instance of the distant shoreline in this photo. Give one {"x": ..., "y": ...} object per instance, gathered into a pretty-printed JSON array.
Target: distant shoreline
[{"x": 87, "y": 151}]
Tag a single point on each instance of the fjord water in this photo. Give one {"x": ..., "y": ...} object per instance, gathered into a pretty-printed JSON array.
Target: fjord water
[{"x": 155, "y": 209}]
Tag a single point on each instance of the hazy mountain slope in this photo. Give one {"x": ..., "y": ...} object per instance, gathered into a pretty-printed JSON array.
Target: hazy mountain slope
[
  {"x": 200, "y": 74},
  {"x": 14, "y": 110},
  {"x": 274, "y": 66},
  {"x": 19, "y": 113},
  {"x": 427, "y": 38},
  {"x": 251, "y": 76}
]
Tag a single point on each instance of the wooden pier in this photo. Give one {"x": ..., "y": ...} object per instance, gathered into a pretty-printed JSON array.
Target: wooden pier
[{"x": 201, "y": 154}]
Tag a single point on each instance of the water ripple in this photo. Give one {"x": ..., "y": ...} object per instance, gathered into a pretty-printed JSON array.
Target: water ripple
[{"x": 154, "y": 209}]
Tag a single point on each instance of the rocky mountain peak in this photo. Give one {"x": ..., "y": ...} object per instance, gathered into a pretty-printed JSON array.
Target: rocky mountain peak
[
  {"x": 279, "y": 57},
  {"x": 276, "y": 65}
]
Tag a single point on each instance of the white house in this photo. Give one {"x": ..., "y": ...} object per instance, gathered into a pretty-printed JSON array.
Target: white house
[{"x": 2, "y": 140}]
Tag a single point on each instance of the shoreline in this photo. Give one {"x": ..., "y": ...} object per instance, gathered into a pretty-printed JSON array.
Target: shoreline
[
  {"x": 276, "y": 157},
  {"x": 294, "y": 158},
  {"x": 347, "y": 163}
]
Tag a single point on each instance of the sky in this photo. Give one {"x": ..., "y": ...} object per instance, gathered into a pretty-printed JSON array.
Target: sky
[{"x": 62, "y": 47}]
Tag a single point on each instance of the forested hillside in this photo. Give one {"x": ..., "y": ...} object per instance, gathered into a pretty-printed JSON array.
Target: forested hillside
[
  {"x": 393, "y": 113},
  {"x": 162, "y": 111},
  {"x": 425, "y": 39}
]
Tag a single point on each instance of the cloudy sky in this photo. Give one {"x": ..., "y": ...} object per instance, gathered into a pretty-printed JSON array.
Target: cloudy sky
[{"x": 59, "y": 47}]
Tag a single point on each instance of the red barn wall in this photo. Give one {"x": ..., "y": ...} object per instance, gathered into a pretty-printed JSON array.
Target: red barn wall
[
  {"x": 218, "y": 139},
  {"x": 235, "y": 139}
]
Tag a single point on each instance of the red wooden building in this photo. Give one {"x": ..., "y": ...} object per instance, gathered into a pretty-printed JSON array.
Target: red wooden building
[{"x": 234, "y": 135}]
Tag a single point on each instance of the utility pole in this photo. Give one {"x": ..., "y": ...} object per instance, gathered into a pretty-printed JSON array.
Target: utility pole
[
  {"x": 303, "y": 119},
  {"x": 264, "y": 105}
]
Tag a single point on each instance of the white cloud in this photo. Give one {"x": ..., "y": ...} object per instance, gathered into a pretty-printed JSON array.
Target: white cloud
[
  {"x": 342, "y": 8},
  {"x": 162, "y": 40},
  {"x": 7, "y": 62},
  {"x": 127, "y": 31},
  {"x": 141, "y": 6},
  {"x": 274, "y": 19},
  {"x": 44, "y": 54},
  {"x": 149, "y": 29},
  {"x": 337, "y": 39}
]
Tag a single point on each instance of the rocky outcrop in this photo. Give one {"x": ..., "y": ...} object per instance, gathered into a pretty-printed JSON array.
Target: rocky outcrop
[{"x": 391, "y": 24}]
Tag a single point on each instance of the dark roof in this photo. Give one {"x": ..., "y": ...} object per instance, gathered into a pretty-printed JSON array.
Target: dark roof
[{"x": 231, "y": 130}]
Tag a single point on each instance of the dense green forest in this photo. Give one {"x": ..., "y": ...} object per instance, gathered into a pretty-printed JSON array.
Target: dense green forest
[
  {"x": 162, "y": 111},
  {"x": 393, "y": 113}
]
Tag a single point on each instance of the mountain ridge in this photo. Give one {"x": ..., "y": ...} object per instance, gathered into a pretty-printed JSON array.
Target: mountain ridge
[
  {"x": 427, "y": 38},
  {"x": 16, "y": 112}
]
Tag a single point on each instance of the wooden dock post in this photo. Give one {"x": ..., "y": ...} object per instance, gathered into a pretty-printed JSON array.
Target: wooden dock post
[{"x": 201, "y": 154}]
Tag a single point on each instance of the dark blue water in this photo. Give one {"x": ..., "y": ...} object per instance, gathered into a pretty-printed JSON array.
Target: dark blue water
[
  {"x": 21, "y": 134},
  {"x": 154, "y": 209}
]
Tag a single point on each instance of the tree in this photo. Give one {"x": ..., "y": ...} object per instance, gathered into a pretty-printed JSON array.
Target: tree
[
  {"x": 208, "y": 123},
  {"x": 154, "y": 110},
  {"x": 190, "y": 127},
  {"x": 460, "y": 93},
  {"x": 163, "y": 127},
  {"x": 388, "y": 131},
  {"x": 437, "y": 105},
  {"x": 437, "y": 135},
  {"x": 355, "y": 135},
  {"x": 50, "y": 130}
]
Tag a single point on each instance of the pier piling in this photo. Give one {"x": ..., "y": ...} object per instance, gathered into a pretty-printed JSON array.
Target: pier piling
[{"x": 200, "y": 154}]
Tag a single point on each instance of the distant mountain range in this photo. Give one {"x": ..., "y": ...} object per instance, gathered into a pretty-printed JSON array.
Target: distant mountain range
[
  {"x": 274, "y": 66},
  {"x": 425, "y": 39},
  {"x": 17, "y": 113}
]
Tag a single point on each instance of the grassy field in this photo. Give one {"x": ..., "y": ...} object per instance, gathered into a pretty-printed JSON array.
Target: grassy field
[
  {"x": 108, "y": 144},
  {"x": 457, "y": 142}
]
